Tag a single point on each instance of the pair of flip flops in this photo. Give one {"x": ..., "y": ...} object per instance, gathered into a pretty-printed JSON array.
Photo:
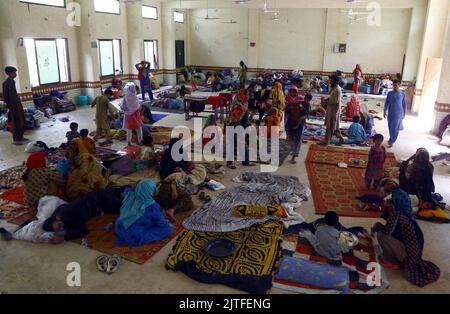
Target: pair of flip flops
[{"x": 109, "y": 264}]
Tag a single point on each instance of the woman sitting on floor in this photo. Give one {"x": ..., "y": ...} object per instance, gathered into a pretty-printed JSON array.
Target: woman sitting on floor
[
  {"x": 40, "y": 181},
  {"x": 416, "y": 178},
  {"x": 141, "y": 219},
  {"x": 352, "y": 109},
  {"x": 86, "y": 174},
  {"x": 168, "y": 164},
  {"x": 402, "y": 239},
  {"x": 241, "y": 98}
]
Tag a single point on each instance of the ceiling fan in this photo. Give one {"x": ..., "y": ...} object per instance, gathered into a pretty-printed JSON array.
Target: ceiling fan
[
  {"x": 266, "y": 8},
  {"x": 207, "y": 13},
  {"x": 231, "y": 21}
]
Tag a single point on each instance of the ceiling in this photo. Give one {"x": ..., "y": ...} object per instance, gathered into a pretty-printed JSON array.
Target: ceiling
[{"x": 190, "y": 4}]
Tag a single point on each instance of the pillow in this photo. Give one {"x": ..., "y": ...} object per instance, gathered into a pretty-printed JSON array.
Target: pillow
[
  {"x": 298, "y": 270},
  {"x": 258, "y": 211}
]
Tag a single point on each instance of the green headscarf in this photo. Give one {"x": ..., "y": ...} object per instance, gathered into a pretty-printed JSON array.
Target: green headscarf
[{"x": 136, "y": 202}]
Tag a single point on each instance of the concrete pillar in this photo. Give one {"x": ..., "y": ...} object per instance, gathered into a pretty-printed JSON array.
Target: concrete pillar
[
  {"x": 442, "y": 106},
  {"x": 415, "y": 40},
  {"x": 135, "y": 36},
  {"x": 432, "y": 44},
  {"x": 11, "y": 53},
  {"x": 168, "y": 38},
  {"x": 87, "y": 41}
]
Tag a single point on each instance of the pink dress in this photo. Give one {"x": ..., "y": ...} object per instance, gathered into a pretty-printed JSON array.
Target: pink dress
[{"x": 133, "y": 122}]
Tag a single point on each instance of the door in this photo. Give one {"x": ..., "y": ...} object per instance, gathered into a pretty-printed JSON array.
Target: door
[{"x": 179, "y": 52}]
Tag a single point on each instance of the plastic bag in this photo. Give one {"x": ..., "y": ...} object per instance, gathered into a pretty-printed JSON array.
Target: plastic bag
[
  {"x": 33, "y": 148},
  {"x": 446, "y": 137}
]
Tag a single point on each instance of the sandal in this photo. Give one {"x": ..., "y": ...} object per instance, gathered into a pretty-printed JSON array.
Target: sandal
[
  {"x": 102, "y": 263},
  {"x": 113, "y": 264},
  {"x": 233, "y": 167},
  {"x": 202, "y": 196},
  {"x": 208, "y": 199}
]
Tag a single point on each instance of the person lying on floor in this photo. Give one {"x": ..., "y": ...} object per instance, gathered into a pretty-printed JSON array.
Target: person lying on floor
[
  {"x": 356, "y": 134},
  {"x": 40, "y": 181},
  {"x": 69, "y": 220},
  {"x": 326, "y": 239},
  {"x": 402, "y": 239},
  {"x": 141, "y": 218}
]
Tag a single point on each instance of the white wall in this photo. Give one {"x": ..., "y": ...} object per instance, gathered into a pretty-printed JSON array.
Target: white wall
[
  {"x": 378, "y": 49},
  {"x": 296, "y": 40},
  {"x": 301, "y": 38},
  {"x": 214, "y": 43}
]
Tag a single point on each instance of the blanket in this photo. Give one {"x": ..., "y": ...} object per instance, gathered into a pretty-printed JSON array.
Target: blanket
[
  {"x": 260, "y": 189},
  {"x": 250, "y": 268}
]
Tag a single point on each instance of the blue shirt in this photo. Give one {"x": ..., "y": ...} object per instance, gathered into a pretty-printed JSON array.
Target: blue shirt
[
  {"x": 395, "y": 105},
  {"x": 356, "y": 132}
]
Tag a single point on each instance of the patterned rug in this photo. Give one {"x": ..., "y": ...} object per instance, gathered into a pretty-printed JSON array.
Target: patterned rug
[
  {"x": 250, "y": 268},
  {"x": 14, "y": 212},
  {"x": 334, "y": 188},
  {"x": 59, "y": 154},
  {"x": 104, "y": 241},
  {"x": 11, "y": 178},
  {"x": 14, "y": 195},
  {"x": 364, "y": 253}
]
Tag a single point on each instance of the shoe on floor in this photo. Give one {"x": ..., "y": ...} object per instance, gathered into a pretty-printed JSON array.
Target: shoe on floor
[
  {"x": 5, "y": 234},
  {"x": 24, "y": 140},
  {"x": 18, "y": 143}
]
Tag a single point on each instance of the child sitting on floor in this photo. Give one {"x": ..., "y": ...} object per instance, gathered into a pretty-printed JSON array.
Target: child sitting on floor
[
  {"x": 356, "y": 134},
  {"x": 375, "y": 166},
  {"x": 73, "y": 133},
  {"x": 326, "y": 241}
]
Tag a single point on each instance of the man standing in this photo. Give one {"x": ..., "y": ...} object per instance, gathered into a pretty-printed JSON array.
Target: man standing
[
  {"x": 14, "y": 105},
  {"x": 333, "y": 110},
  {"x": 144, "y": 69},
  {"x": 395, "y": 111}
]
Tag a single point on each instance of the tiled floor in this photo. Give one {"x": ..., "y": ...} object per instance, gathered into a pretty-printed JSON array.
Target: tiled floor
[{"x": 27, "y": 267}]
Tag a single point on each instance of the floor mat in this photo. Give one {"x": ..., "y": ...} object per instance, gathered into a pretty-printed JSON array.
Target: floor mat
[
  {"x": 59, "y": 154},
  {"x": 364, "y": 253},
  {"x": 13, "y": 212},
  {"x": 14, "y": 195},
  {"x": 258, "y": 189},
  {"x": 104, "y": 241},
  {"x": 250, "y": 268},
  {"x": 334, "y": 188}
]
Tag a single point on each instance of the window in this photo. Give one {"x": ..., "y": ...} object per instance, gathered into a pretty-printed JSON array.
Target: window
[
  {"x": 48, "y": 61},
  {"x": 151, "y": 53},
  {"x": 54, "y": 3},
  {"x": 149, "y": 12},
  {"x": 110, "y": 54},
  {"x": 178, "y": 17},
  {"x": 107, "y": 6}
]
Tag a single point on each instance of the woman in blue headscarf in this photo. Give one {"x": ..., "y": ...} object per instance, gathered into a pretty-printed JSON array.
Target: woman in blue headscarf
[
  {"x": 141, "y": 219},
  {"x": 402, "y": 240}
]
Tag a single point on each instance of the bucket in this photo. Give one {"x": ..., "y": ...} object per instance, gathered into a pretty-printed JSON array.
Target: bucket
[{"x": 83, "y": 100}]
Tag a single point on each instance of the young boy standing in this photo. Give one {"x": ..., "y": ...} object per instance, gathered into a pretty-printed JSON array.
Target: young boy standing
[{"x": 104, "y": 110}]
